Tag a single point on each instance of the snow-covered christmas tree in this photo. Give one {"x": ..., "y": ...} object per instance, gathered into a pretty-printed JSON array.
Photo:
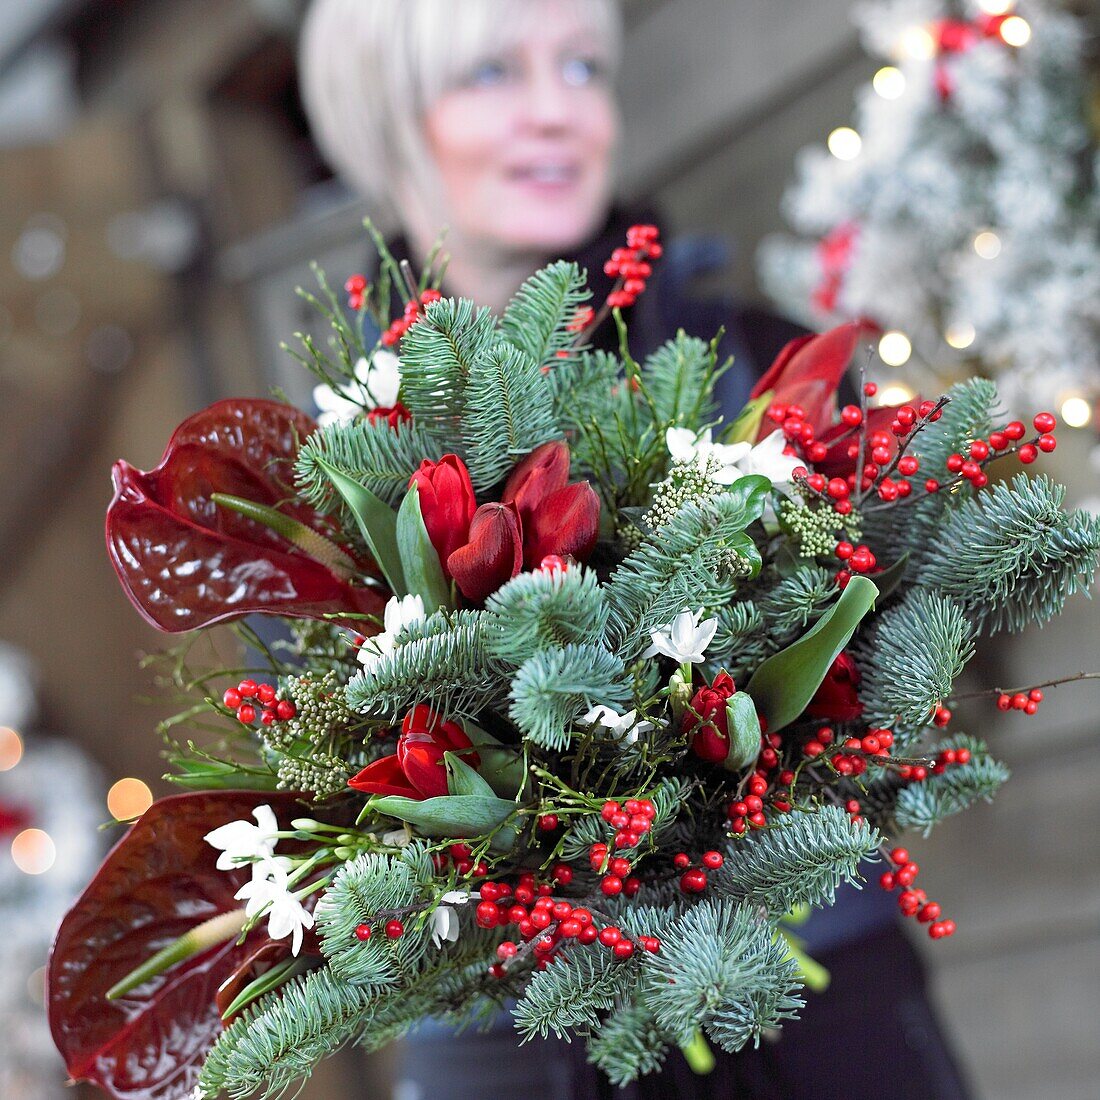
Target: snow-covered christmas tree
[{"x": 960, "y": 211}]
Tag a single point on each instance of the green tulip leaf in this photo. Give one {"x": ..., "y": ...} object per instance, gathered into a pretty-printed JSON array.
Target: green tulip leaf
[
  {"x": 786, "y": 682},
  {"x": 744, "y": 731},
  {"x": 458, "y": 816},
  {"x": 377, "y": 522},
  {"x": 419, "y": 559},
  {"x": 462, "y": 779}
]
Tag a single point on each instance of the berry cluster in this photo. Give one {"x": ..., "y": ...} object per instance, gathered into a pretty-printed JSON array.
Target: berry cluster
[
  {"x": 914, "y": 902},
  {"x": 394, "y": 930},
  {"x": 1006, "y": 441},
  {"x": 631, "y": 820},
  {"x": 630, "y": 266},
  {"x": 748, "y": 812},
  {"x": 618, "y": 879},
  {"x": 918, "y": 773},
  {"x": 247, "y": 693},
  {"x": 694, "y": 879},
  {"x": 852, "y": 755},
  {"x": 356, "y": 287},
  {"x": 1028, "y": 701},
  {"x": 414, "y": 310},
  {"x": 460, "y": 856}
]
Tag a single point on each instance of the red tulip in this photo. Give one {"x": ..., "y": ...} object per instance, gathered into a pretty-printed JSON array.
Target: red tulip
[
  {"x": 417, "y": 769},
  {"x": 494, "y": 554},
  {"x": 390, "y": 415},
  {"x": 185, "y": 562},
  {"x": 447, "y": 504},
  {"x": 837, "y": 699},
  {"x": 808, "y": 371},
  {"x": 707, "y": 722},
  {"x": 566, "y": 523},
  {"x": 543, "y": 472}
]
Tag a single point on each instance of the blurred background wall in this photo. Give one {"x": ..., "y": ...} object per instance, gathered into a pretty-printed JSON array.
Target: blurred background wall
[{"x": 160, "y": 198}]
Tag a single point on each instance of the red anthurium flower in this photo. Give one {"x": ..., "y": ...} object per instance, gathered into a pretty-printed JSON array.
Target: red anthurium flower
[
  {"x": 566, "y": 523},
  {"x": 417, "y": 769},
  {"x": 389, "y": 415},
  {"x": 493, "y": 555},
  {"x": 543, "y": 472},
  {"x": 159, "y": 882},
  {"x": 837, "y": 698},
  {"x": 184, "y": 562},
  {"x": 808, "y": 371},
  {"x": 447, "y": 504},
  {"x": 706, "y": 720}
]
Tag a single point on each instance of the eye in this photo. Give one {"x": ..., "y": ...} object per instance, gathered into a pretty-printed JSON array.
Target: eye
[
  {"x": 579, "y": 71},
  {"x": 487, "y": 74}
]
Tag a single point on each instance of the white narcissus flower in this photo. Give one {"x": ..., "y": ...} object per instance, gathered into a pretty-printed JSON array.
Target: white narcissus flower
[
  {"x": 287, "y": 916},
  {"x": 377, "y": 383},
  {"x": 768, "y": 460},
  {"x": 445, "y": 919},
  {"x": 625, "y": 727},
  {"x": 242, "y": 842},
  {"x": 685, "y": 639},
  {"x": 718, "y": 460},
  {"x": 401, "y": 612}
]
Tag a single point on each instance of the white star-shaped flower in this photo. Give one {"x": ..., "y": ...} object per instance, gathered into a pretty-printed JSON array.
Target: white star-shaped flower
[
  {"x": 377, "y": 383},
  {"x": 717, "y": 460},
  {"x": 401, "y": 612},
  {"x": 624, "y": 727},
  {"x": 287, "y": 916},
  {"x": 242, "y": 842},
  {"x": 768, "y": 460},
  {"x": 445, "y": 919},
  {"x": 685, "y": 639}
]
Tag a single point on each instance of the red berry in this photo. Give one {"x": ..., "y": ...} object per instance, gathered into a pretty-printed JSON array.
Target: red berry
[
  {"x": 362, "y": 932},
  {"x": 909, "y": 465},
  {"x": 394, "y": 929},
  {"x": 266, "y": 694},
  {"x": 587, "y": 934},
  {"x": 1044, "y": 422},
  {"x": 610, "y": 936},
  {"x": 1027, "y": 454},
  {"x": 979, "y": 450},
  {"x": 870, "y": 389},
  {"x": 285, "y": 710},
  {"x": 246, "y": 713},
  {"x": 851, "y": 415},
  {"x": 247, "y": 688},
  {"x": 232, "y": 698},
  {"x": 1046, "y": 443},
  {"x": 954, "y": 463},
  {"x": 608, "y": 810},
  {"x": 899, "y": 856},
  {"x": 693, "y": 882},
  {"x": 1015, "y": 430},
  {"x": 548, "y": 822},
  {"x": 886, "y": 880},
  {"x": 713, "y": 860},
  {"x": 610, "y": 885},
  {"x": 623, "y": 949},
  {"x": 929, "y": 912}
]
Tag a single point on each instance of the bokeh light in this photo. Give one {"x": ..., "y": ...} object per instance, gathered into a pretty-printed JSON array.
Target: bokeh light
[
  {"x": 918, "y": 43},
  {"x": 987, "y": 244},
  {"x": 889, "y": 82},
  {"x": 894, "y": 393},
  {"x": 33, "y": 851},
  {"x": 11, "y": 748},
  {"x": 960, "y": 335},
  {"x": 1016, "y": 31},
  {"x": 1076, "y": 412},
  {"x": 894, "y": 348},
  {"x": 844, "y": 143},
  {"x": 128, "y": 798}
]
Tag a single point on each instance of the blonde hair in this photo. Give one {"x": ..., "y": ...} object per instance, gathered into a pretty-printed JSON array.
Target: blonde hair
[{"x": 369, "y": 69}]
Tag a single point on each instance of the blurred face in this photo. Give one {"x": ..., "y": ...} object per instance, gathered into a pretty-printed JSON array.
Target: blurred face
[{"x": 523, "y": 144}]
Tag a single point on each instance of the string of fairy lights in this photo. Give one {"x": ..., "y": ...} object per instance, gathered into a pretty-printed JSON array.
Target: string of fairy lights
[
  {"x": 895, "y": 348},
  {"x": 32, "y": 849}
]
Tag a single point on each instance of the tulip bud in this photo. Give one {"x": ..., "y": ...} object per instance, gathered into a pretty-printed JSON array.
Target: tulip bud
[
  {"x": 447, "y": 504},
  {"x": 566, "y": 523},
  {"x": 543, "y": 472},
  {"x": 707, "y": 722},
  {"x": 493, "y": 554}
]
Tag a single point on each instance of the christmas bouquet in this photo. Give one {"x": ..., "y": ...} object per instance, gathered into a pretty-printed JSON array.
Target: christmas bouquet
[{"x": 582, "y": 698}]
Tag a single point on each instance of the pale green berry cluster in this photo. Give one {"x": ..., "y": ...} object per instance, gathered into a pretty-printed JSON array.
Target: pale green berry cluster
[
  {"x": 687, "y": 482},
  {"x": 816, "y": 528},
  {"x": 321, "y": 774}
]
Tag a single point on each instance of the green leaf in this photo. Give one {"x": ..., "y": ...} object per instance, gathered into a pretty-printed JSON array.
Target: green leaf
[
  {"x": 785, "y": 683},
  {"x": 747, "y": 425},
  {"x": 377, "y": 521},
  {"x": 459, "y": 816},
  {"x": 501, "y": 767},
  {"x": 744, "y": 730},
  {"x": 419, "y": 559},
  {"x": 462, "y": 779}
]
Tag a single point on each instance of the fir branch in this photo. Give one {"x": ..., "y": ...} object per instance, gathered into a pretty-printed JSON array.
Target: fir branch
[
  {"x": 628, "y": 1045},
  {"x": 542, "y": 610},
  {"x": 507, "y": 413},
  {"x": 438, "y": 354},
  {"x": 581, "y": 391},
  {"x": 537, "y": 319},
  {"x": 556, "y": 686},
  {"x": 796, "y": 602},
  {"x": 910, "y": 659},
  {"x": 1016, "y": 556},
  {"x": 719, "y": 967},
  {"x": 741, "y": 640},
  {"x": 691, "y": 562},
  {"x": 924, "y": 805},
  {"x": 679, "y": 377},
  {"x": 364, "y": 887},
  {"x": 801, "y": 861},
  {"x": 583, "y": 982},
  {"x": 443, "y": 663},
  {"x": 376, "y": 456}
]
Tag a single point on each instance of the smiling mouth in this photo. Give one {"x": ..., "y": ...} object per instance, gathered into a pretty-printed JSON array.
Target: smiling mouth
[{"x": 548, "y": 175}]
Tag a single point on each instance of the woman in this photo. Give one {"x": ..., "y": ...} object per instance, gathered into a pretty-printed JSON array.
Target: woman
[{"x": 497, "y": 118}]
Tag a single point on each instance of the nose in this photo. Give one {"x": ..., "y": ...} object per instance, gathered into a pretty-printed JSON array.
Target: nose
[{"x": 546, "y": 100}]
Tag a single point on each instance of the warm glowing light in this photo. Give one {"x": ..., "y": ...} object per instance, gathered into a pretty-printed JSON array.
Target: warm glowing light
[
  {"x": 894, "y": 393},
  {"x": 987, "y": 244},
  {"x": 996, "y": 7},
  {"x": 1076, "y": 412},
  {"x": 894, "y": 348},
  {"x": 889, "y": 82},
  {"x": 960, "y": 335},
  {"x": 33, "y": 851},
  {"x": 1016, "y": 31},
  {"x": 11, "y": 748},
  {"x": 918, "y": 43},
  {"x": 844, "y": 143},
  {"x": 129, "y": 798}
]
